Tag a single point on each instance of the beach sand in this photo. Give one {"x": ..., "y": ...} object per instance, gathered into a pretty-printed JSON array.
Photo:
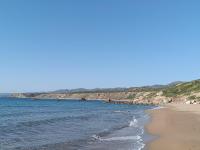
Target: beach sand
[{"x": 177, "y": 127}]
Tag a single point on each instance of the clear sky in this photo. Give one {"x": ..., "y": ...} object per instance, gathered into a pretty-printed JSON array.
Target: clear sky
[{"x": 55, "y": 44}]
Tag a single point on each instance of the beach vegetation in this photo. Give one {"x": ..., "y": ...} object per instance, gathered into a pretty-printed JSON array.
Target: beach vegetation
[
  {"x": 192, "y": 97},
  {"x": 131, "y": 96},
  {"x": 151, "y": 95},
  {"x": 182, "y": 89}
]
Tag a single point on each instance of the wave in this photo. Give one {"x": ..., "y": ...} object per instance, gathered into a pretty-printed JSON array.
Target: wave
[
  {"x": 53, "y": 120},
  {"x": 140, "y": 145},
  {"x": 28, "y": 113},
  {"x": 158, "y": 107},
  {"x": 45, "y": 121},
  {"x": 120, "y": 111},
  {"x": 137, "y": 139},
  {"x": 107, "y": 132},
  {"x": 133, "y": 123},
  {"x": 122, "y": 138}
]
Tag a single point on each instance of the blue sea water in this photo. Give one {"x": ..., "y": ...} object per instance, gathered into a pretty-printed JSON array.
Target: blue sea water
[{"x": 27, "y": 124}]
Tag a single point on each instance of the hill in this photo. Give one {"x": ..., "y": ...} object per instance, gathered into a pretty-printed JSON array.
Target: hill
[{"x": 176, "y": 92}]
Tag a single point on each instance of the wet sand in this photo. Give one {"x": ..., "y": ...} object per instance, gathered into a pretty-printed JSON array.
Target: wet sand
[{"x": 177, "y": 127}]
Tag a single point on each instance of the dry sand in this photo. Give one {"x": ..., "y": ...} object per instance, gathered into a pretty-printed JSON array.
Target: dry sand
[{"x": 176, "y": 126}]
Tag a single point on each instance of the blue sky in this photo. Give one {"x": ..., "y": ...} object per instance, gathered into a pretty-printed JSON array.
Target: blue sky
[{"x": 55, "y": 44}]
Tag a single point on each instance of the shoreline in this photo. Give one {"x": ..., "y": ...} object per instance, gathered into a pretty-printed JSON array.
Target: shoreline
[
  {"x": 171, "y": 127},
  {"x": 175, "y": 127},
  {"x": 113, "y": 101}
]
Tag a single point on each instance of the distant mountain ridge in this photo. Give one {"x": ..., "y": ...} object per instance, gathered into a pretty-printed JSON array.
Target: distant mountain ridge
[
  {"x": 88, "y": 90},
  {"x": 118, "y": 89}
]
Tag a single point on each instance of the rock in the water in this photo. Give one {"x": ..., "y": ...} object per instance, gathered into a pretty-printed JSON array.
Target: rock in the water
[{"x": 83, "y": 99}]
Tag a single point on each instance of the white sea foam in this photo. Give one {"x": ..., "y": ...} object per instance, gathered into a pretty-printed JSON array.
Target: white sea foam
[
  {"x": 141, "y": 145},
  {"x": 159, "y": 107},
  {"x": 142, "y": 130},
  {"x": 137, "y": 139},
  {"x": 122, "y": 138},
  {"x": 133, "y": 123},
  {"x": 96, "y": 137},
  {"x": 120, "y": 111}
]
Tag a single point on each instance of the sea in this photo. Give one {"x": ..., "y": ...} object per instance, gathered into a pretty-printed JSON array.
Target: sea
[{"x": 27, "y": 124}]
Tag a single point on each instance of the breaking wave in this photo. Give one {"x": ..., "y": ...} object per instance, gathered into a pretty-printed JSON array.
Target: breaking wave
[
  {"x": 133, "y": 123},
  {"x": 123, "y": 138}
]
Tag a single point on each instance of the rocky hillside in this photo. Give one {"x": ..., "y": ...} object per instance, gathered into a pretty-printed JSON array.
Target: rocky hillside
[{"x": 177, "y": 92}]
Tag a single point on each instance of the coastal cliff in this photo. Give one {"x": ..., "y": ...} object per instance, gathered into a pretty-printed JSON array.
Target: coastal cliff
[{"x": 178, "y": 92}]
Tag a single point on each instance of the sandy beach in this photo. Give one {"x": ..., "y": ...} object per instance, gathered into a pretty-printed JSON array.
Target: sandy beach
[{"x": 177, "y": 127}]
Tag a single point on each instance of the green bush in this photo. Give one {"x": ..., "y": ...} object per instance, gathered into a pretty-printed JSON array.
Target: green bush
[
  {"x": 184, "y": 88},
  {"x": 192, "y": 97},
  {"x": 131, "y": 96}
]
